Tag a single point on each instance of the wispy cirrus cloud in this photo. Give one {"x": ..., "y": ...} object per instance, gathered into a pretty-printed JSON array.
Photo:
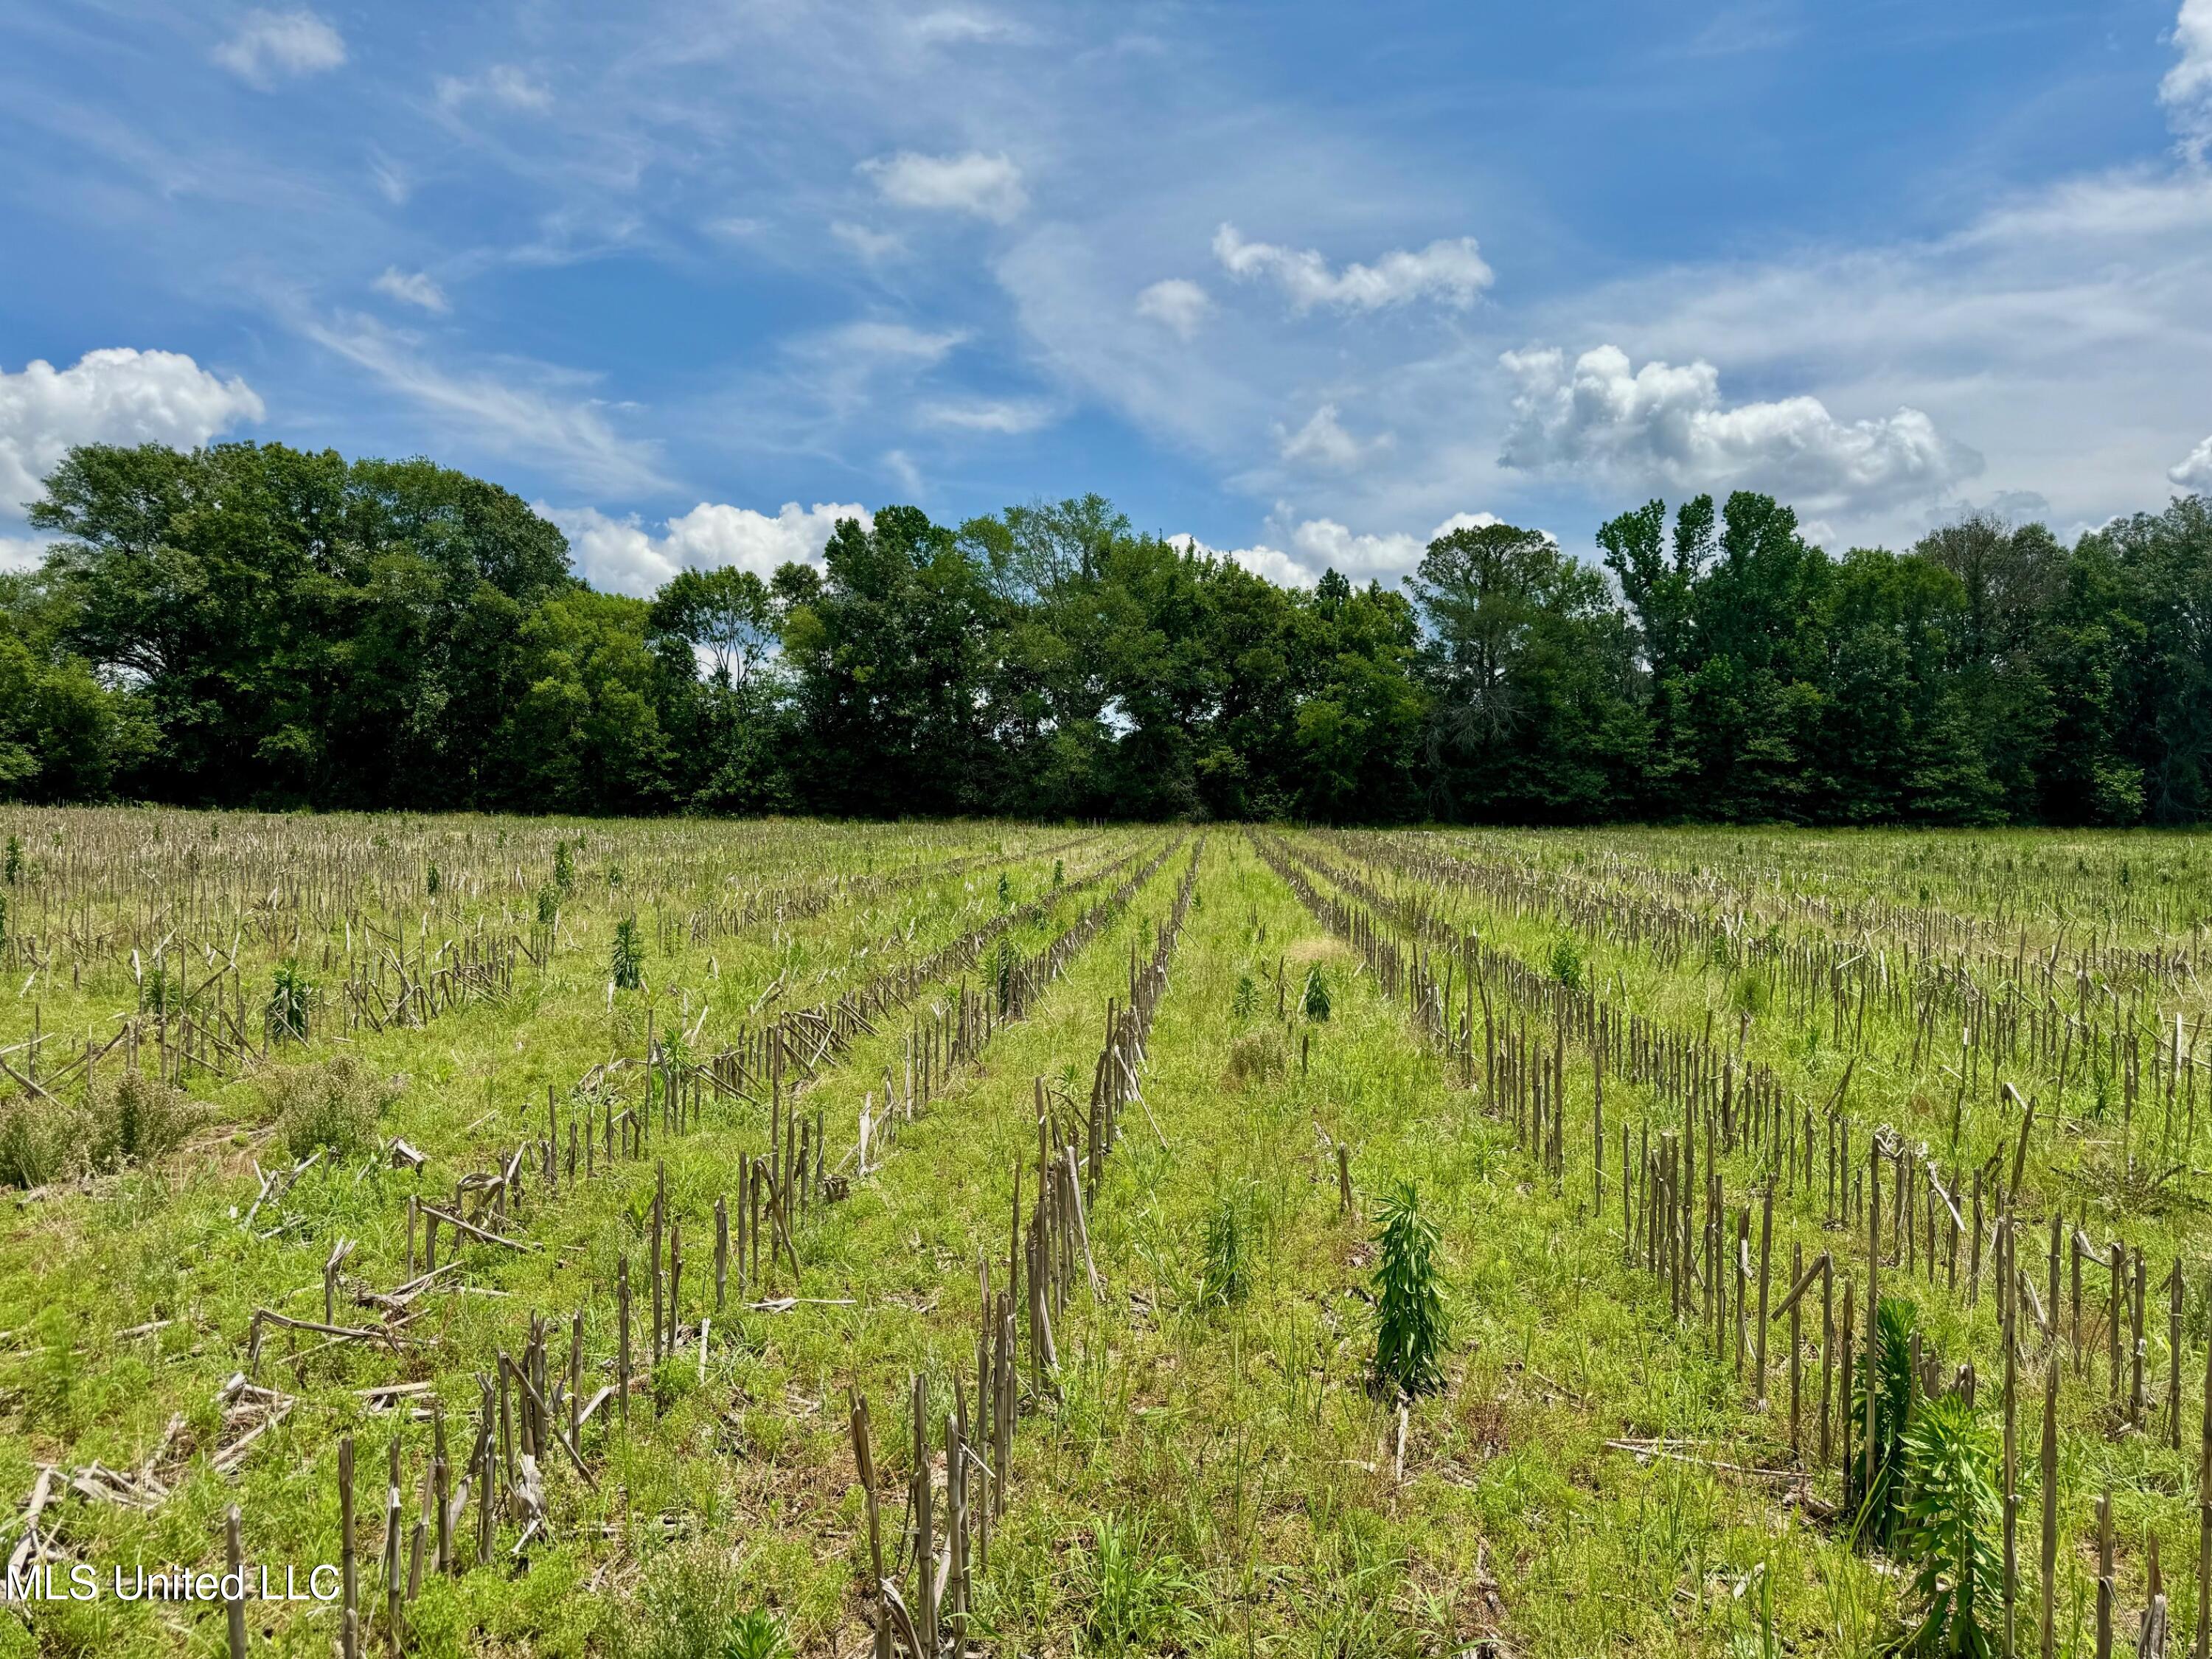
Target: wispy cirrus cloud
[
  {"x": 412, "y": 288},
  {"x": 1323, "y": 442},
  {"x": 505, "y": 86},
  {"x": 2187, "y": 91},
  {"x": 1006, "y": 417},
  {"x": 532, "y": 412}
]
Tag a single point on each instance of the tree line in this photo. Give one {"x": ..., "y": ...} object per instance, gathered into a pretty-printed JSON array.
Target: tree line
[{"x": 250, "y": 624}]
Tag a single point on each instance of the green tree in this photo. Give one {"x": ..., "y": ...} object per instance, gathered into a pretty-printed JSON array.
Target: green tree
[
  {"x": 1530, "y": 667},
  {"x": 585, "y": 733},
  {"x": 1897, "y": 739},
  {"x": 890, "y": 657},
  {"x": 294, "y": 628}
]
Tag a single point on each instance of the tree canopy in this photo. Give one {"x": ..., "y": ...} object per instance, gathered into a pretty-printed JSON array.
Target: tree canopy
[{"x": 252, "y": 624}]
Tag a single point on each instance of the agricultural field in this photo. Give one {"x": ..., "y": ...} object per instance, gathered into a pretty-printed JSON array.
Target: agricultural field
[{"x": 689, "y": 1238}]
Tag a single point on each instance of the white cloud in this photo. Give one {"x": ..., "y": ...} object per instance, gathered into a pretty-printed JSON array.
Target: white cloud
[
  {"x": 391, "y": 179},
  {"x": 621, "y": 556},
  {"x": 271, "y": 46},
  {"x": 19, "y": 553},
  {"x": 871, "y": 245},
  {"x": 412, "y": 288},
  {"x": 114, "y": 396},
  {"x": 547, "y": 421},
  {"x": 1666, "y": 423},
  {"x": 503, "y": 84},
  {"x": 2196, "y": 472},
  {"x": 899, "y": 465},
  {"x": 1011, "y": 417},
  {"x": 2187, "y": 91},
  {"x": 1177, "y": 304},
  {"x": 984, "y": 186},
  {"x": 1319, "y": 544},
  {"x": 952, "y": 27},
  {"x": 1276, "y": 566},
  {"x": 1321, "y": 442},
  {"x": 875, "y": 341},
  {"x": 1453, "y": 273}
]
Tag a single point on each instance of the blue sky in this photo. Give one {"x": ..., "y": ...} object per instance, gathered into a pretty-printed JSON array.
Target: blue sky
[{"x": 1303, "y": 282}]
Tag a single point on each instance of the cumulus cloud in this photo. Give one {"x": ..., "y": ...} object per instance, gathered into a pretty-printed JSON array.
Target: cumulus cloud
[
  {"x": 1452, "y": 272},
  {"x": 1178, "y": 305},
  {"x": 1322, "y": 442},
  {"x": 413, "y": 289},
  {"x": 114, "y": 396},
  {"x": 502, "y": 84},
  {"x": 983, "y": 186},
  {"x": 1319, "y": 544},
  {"x": 621, "y": 556},
  {"x": 2196, "y": 472},
  {"x": 273, "y": 46},
  {"x": 1666, "y": 423},
  {"x": 2187, "y": 91}
]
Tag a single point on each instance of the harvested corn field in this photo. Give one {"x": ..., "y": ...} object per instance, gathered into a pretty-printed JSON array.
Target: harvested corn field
[{"x": 710, "y": 1238}]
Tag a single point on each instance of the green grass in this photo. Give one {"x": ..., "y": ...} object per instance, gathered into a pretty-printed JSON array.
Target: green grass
[{"x": 1215, "y": 1471}]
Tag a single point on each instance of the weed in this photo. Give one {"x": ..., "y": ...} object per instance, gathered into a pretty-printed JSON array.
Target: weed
[
  {"x": 1246, "y": 1002},
  {"x": 688, "y": 1608},
  {"x": 1567, "y": 962},
  {"x": 1410, "y": 1326},
  {"x": 1138, "y": 1596},
  {"x": 1258, "y": 1056},
  {"x": 1227, "y": 1276},
  {"x": 1059, "y": 873},
  {"x": 1877, "y": 1505},
  {"x": 1005, "y": 891},
  {"x": 564, "y": 868},
  {"x": 128, "y": 1118},
  {"x": 137, "y": 1119},
  {"x": 431, "y": 883},
  {"x": 14, "y": 867},
  {"x": 549, "y": 906},
  {"x": 1952, "y": 1529},
  {"x": 332, "y": 1104},
  {"x": 1747, "y": 994},
  {"x": 626, "y": 960},
  {"x": 674, "y": 1379},
  {"x": 1314, "y": 1000},
  {"x": 30, "y": 1151},
  {"x": 290, "y": 996}
]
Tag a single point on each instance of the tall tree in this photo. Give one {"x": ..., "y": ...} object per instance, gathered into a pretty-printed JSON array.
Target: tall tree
[
  {"x": 1530, "y": 669},
  {"x": 892, "y": 659}
]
